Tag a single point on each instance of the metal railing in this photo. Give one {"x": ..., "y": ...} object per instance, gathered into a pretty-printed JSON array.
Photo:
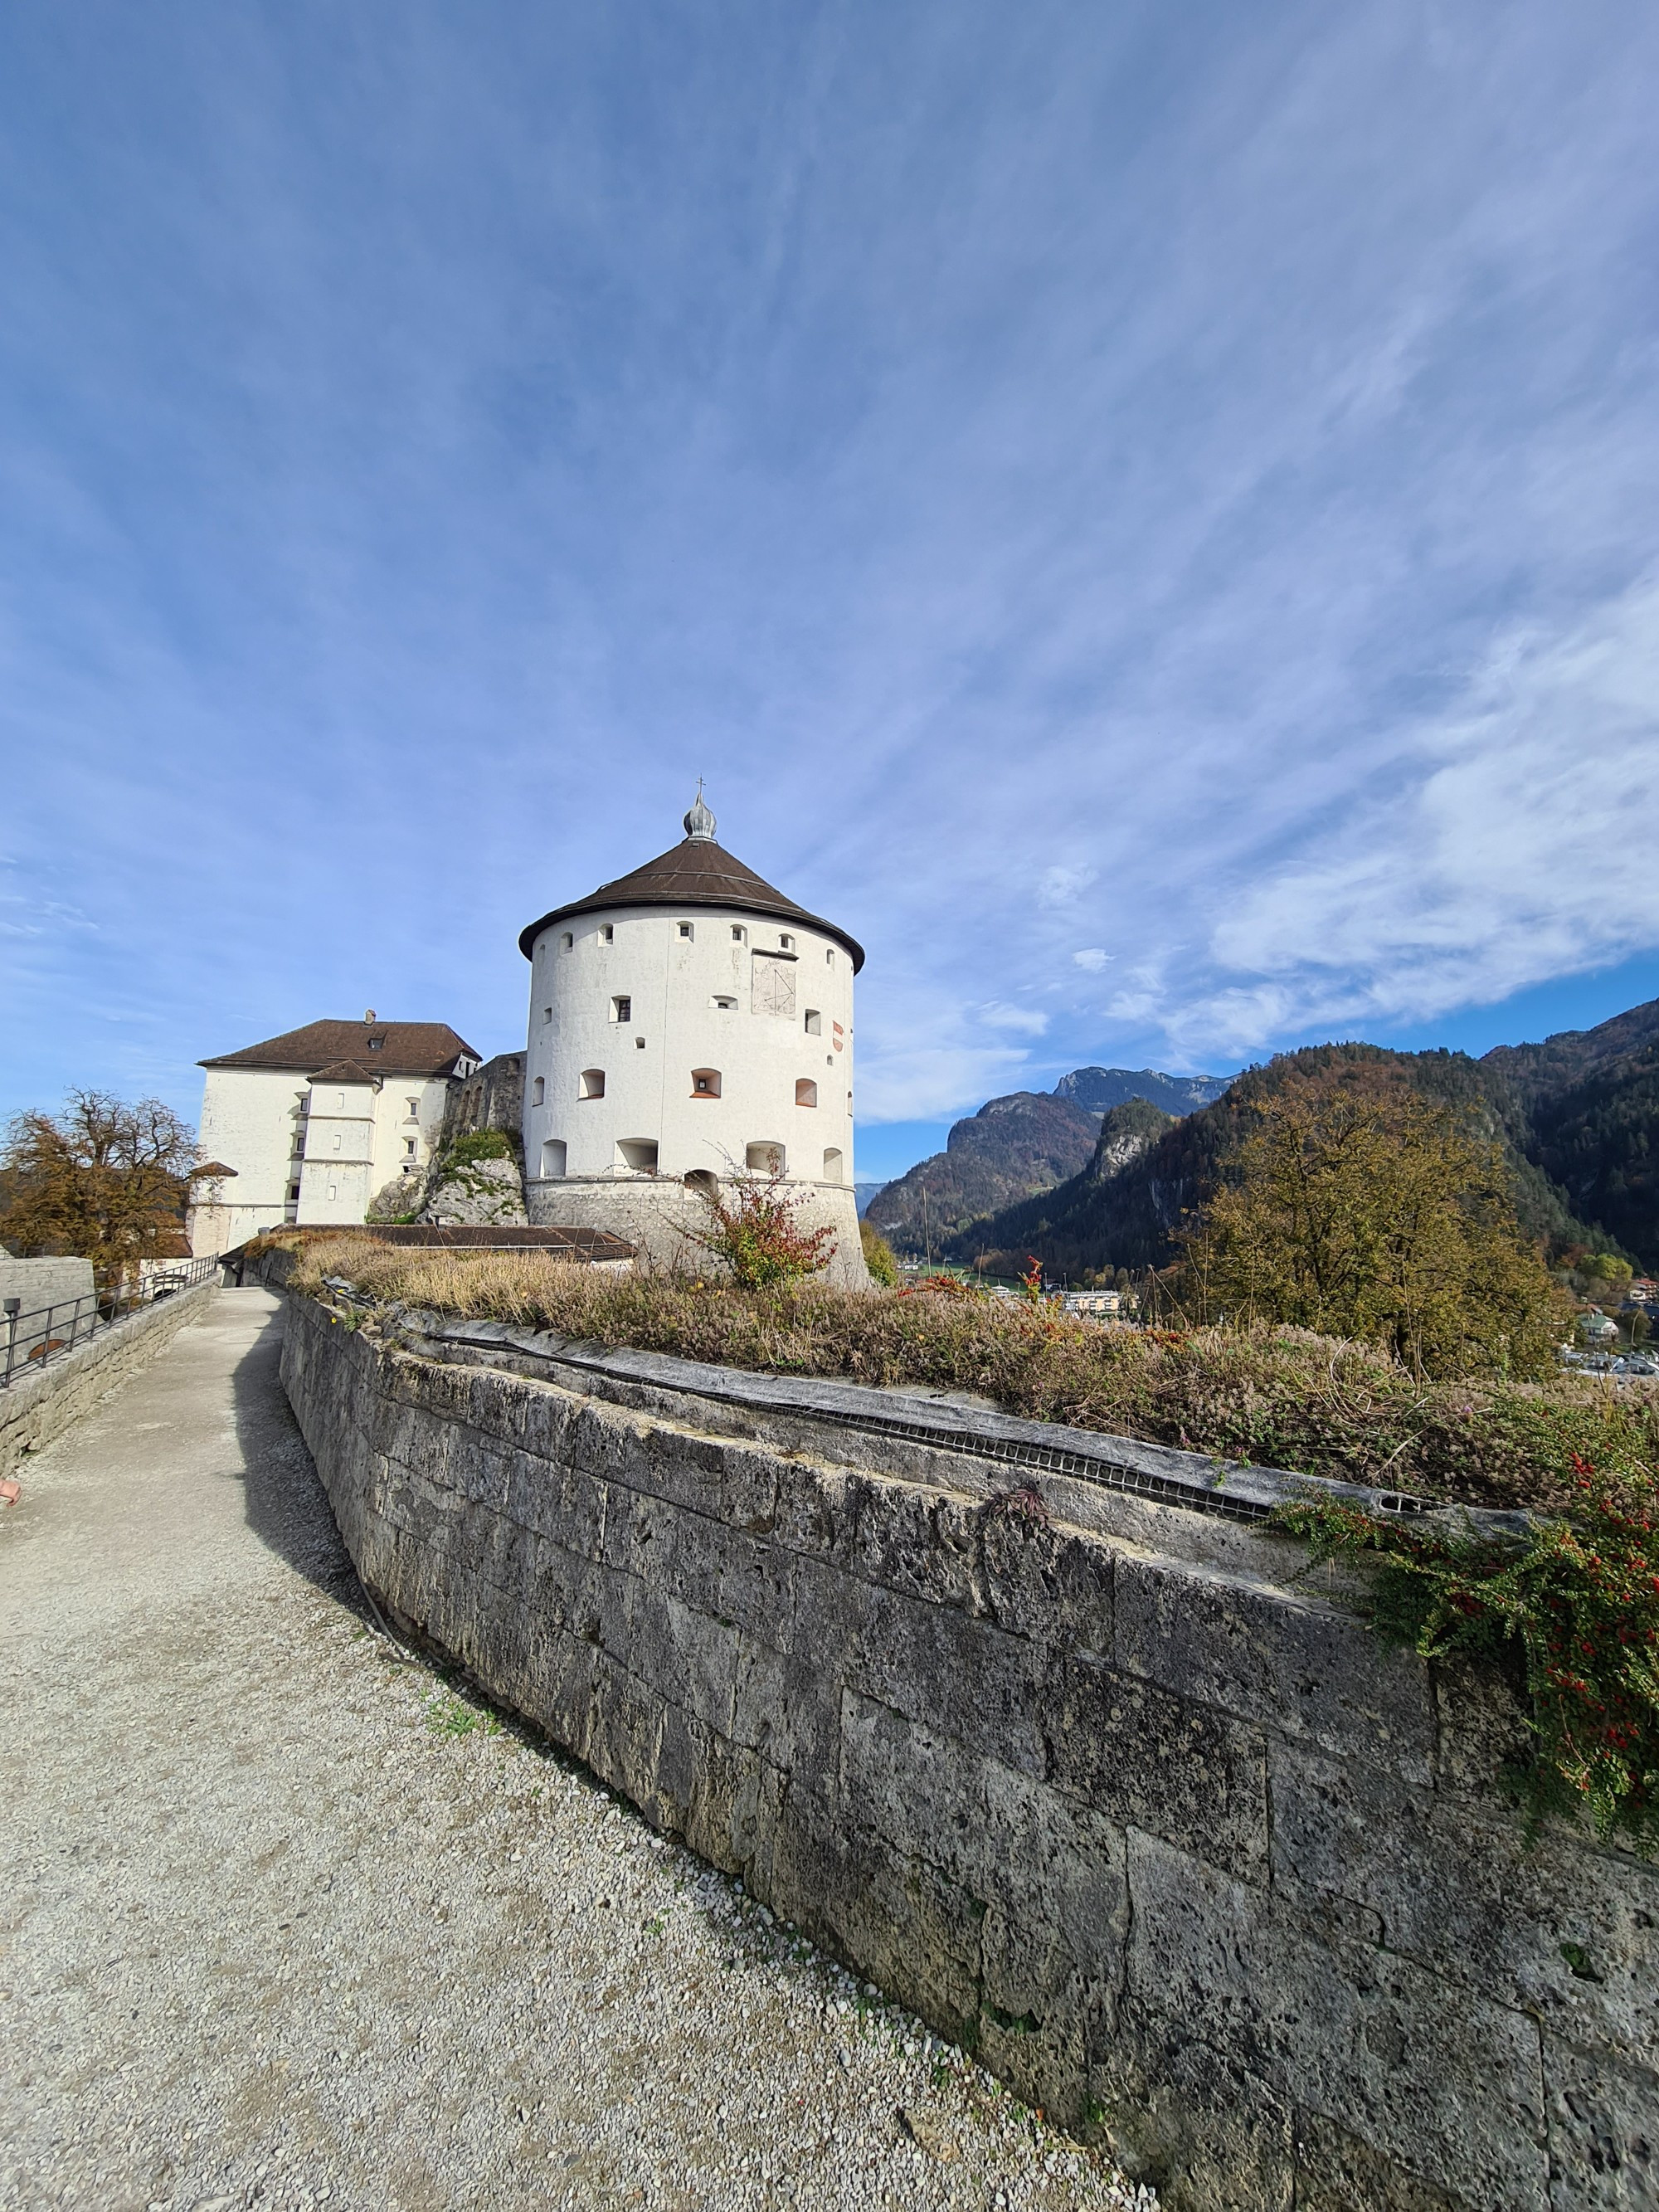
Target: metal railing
[{"x": 45, "y": 1333}]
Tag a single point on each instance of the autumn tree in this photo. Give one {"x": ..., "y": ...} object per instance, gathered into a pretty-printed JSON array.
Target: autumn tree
[
  {"x": 104, "y": 1179},
  {"x": 1359, "y": 1207}
]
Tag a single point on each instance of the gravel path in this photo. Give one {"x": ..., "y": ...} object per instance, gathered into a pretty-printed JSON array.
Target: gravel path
[{"x": 289, "y": 1921}]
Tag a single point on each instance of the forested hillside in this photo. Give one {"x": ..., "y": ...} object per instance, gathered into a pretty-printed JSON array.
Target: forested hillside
[
  {"x": 1589, "y": 1103},
  {"x": 1017, "y": 1146},
  {"x": 1030, "y": 1140},
  {"x": 1123, "y": 1211}
]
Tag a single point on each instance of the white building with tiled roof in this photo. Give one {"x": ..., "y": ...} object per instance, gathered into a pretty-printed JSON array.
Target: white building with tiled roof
[
  {"x": 687, "y": 1023},
  {"x": 308, "y": 1126}
]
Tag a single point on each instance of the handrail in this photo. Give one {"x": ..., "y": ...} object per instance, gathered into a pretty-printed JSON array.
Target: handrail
[{"x": 31, "y": 1339}]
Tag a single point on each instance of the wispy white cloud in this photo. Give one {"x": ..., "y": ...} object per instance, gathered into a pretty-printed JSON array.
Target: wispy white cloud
[
  {"x": 1519, "y": 845},
  {"x": 1027, "y": 1020},
  {"x": 1062, "y": 476}
]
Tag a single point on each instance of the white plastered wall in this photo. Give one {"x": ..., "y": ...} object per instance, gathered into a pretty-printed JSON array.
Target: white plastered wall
[
  {"x": 253, "y": 1118},
  {"x": 677, "y": 1025},
  {"x": 250, "y": 1117},
  {"x": 694, "y": 1007}
]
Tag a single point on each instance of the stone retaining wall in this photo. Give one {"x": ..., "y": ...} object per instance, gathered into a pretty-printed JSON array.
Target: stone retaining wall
[
  {"x": 1088, "y": 1779},
  {"x": 40, "y": 1405}
]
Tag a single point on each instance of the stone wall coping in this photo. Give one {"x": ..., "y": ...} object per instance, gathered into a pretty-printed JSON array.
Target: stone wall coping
[
  {"x": 39, "y": 1406},
  {"x": 1227, "y": 1488}
]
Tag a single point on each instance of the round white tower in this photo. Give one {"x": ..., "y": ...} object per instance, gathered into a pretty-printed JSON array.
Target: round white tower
[{"x": 687, "y": 1023}]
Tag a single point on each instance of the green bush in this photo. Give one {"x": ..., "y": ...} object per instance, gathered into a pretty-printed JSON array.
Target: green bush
[
  {"x": 878, "y": 1257},
  {"x": 480, "y": 1144},
  {"x": 1578, "y": 1598}
]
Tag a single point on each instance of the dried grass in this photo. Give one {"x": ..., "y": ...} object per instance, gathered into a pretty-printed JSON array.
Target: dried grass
[{"x": 1277, "y": 1397}]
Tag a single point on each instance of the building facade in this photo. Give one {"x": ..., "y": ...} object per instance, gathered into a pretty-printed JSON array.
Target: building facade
[
  {"x": 689, "y": 1024},
  {"x": 308, "y": 1127}
]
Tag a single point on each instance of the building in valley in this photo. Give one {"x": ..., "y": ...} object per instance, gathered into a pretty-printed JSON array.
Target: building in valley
[
  {"x": 687, "y": 1024},
  {"x": 308, "y": 1127}
]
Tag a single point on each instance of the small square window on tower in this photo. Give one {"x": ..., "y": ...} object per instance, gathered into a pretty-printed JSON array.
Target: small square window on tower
[
  {"x": 788, "y": 942},
  {"x": 622, "y": 1009},
  {"x": 807, "y": 1091},
  {"x": 814, "y": 1022},
  {"x": 567, "y": 942},
  {"x": 705, "y": 1083},
  {"x": 739, "y": 932},
  {"x": 686, "y": 930}
]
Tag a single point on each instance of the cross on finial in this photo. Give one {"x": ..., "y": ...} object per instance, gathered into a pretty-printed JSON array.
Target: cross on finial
[{"x": 699, "y": 821}]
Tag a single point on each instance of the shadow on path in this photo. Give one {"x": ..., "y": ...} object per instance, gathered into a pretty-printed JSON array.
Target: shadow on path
[{"x": 286, "y": 1505}]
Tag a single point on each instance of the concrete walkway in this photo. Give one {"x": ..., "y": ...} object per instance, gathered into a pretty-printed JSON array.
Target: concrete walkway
[{"x": 288, "y": 1922}]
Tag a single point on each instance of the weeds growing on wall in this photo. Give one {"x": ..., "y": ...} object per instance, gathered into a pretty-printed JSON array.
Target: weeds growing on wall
[
  {"x": 753, "y": 1228},
  {"x": 1580, "y": 1600},
  {"x": 1277, "y": 1396}
]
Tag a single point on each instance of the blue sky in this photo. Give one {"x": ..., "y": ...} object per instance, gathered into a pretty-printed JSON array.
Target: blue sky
[{"x": 1149, "y": 517}]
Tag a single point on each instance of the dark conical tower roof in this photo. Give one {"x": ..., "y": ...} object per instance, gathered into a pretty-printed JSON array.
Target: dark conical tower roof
[{"x": 698, "y": 872}]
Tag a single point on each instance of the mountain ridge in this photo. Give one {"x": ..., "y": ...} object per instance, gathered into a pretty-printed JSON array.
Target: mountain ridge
[
  {"x": 1576, "y": 1118},
  {"x": 1017, "y": 1145}
]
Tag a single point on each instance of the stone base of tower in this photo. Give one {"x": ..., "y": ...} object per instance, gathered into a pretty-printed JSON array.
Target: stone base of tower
[{"x": 655, "y": 1216}]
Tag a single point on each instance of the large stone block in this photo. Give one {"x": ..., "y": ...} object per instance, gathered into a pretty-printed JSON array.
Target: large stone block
[
  {"x": 1442, "y": 2081},
  {"x": 1148, "y": 1760},
  {"x": 939, "y": 1665},
  {"x": 1192, "y": 2121},
  {"x": 1568, "y": 1933},
  {"x": 1604, "y": 2131},
  {"x": 1275, "y": 1659}
]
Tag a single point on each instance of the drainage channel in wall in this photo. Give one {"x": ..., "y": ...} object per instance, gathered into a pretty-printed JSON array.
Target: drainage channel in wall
[{"x": 1225, "y": 1493}]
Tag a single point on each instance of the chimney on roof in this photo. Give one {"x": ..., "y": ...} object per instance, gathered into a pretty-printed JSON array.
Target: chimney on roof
[{"x": 369, "y": 1014}]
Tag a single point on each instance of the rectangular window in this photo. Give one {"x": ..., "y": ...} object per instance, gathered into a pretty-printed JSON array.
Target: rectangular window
[
  {"x": 807, "y": 1091},
  {"x": 567, "y": 942},
  {"x": 540, "y": 1090},
  {"x": 622, "y": 1010},
  {"x": 409, "y": 1146},
  {"x": 814, "y": 1022},
  {"x": 606, "y": 932},
  {"x": 337, "y": 1144},
  {"x": 332, "y": 1192},
  {"x": 547, "y": 1015},
  {"x": 553, "y": 1156},
  {"x": 739, "y": 932},
  {"x": 414, "y": 1109},
  {"x": 686, "y": 930}
]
